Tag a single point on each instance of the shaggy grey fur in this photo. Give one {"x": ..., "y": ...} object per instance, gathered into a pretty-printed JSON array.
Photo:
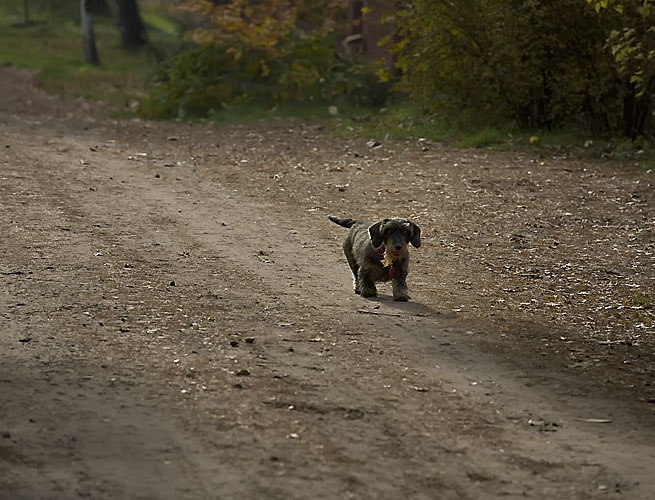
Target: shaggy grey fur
[{"x": 365, "y": 247}]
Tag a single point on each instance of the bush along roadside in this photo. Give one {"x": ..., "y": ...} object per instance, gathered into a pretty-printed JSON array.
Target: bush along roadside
[{"x": 305, "y": 68}]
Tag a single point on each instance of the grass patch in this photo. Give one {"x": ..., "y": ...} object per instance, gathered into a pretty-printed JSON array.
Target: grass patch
[
  {"x": 396, "y": 121},
  {"x": 485, "y": 138},
  {"x": 246, "y": 113},
  {"x": 645, "y": 299},
  {"x": 52, "y": 46},
  {"x": 403, "y": 121},
  {"x": 251, "y": 112}
]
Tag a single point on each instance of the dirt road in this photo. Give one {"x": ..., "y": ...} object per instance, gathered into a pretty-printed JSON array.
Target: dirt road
[{"x": 177, "y": 318}]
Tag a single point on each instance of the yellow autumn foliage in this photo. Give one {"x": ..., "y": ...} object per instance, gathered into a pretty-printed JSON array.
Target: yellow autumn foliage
[{"x": 261, "y": 24}]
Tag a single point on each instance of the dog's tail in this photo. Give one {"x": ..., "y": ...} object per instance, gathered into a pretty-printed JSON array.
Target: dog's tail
[{"x": 343, "y": 222}]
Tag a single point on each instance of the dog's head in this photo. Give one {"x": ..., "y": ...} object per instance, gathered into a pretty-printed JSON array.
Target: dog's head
[{"x": 395, "y": 234}]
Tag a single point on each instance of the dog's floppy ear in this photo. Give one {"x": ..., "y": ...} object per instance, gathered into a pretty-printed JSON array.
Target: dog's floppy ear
[
  {"x": 416, "y": 235},
  {"x": 376, "y": 234}
]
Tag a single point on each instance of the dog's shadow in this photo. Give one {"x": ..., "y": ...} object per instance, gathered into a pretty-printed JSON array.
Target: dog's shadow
[{"x": 404, "y": 308}]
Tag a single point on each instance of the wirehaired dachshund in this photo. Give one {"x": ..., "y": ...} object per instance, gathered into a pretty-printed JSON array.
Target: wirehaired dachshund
[{"x": 378, "y": 252}]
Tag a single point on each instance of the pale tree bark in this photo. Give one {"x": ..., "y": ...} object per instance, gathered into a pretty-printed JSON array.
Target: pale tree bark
[
  {"x": 88, "y": 35},
  {"x": 26, "y": 11}
]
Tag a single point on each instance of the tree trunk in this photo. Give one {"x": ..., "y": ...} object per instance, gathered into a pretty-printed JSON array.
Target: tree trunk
[
  {"x": 99, "y": 8},
  {"x": 26, "y": 11},
  {"x": 130, "y": 25},
  {"x": 88, "y": 36}
]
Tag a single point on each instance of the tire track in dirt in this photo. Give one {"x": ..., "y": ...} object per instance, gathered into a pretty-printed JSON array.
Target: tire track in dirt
[{"x": 76, "y": 423}]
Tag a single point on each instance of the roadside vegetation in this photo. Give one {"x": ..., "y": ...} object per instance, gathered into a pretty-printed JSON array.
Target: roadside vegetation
[
  {"x": 49, "y": 42},
  {"x": 478, "y": 73}
]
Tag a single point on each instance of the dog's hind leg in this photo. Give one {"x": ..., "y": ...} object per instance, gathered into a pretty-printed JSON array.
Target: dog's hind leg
[
  {"x": 352, "y": 262},
  {"x": 354, "y": 267}
]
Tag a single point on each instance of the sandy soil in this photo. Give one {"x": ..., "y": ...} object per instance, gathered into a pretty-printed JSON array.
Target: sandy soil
[{"x": 178, "y": 322}]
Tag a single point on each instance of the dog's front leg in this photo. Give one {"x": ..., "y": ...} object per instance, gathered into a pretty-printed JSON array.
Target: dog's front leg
[{"x": 399, "y": 287}]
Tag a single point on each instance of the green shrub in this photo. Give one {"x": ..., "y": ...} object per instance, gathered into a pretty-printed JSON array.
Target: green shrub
[
  {"x": 540, "y": 64},
  {"x": 203, "y": 79}
]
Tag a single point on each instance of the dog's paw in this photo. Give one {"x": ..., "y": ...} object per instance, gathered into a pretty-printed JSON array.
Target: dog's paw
[
  {"x": 369, "y": 293},
  {"x": 401, "y": 298}
]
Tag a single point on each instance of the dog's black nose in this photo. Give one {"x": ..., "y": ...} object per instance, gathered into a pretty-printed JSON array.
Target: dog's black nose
[{"x": 399, "y": 247}]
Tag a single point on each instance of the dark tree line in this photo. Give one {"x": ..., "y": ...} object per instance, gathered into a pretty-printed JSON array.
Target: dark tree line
[{"x": 537, "y": 63}]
